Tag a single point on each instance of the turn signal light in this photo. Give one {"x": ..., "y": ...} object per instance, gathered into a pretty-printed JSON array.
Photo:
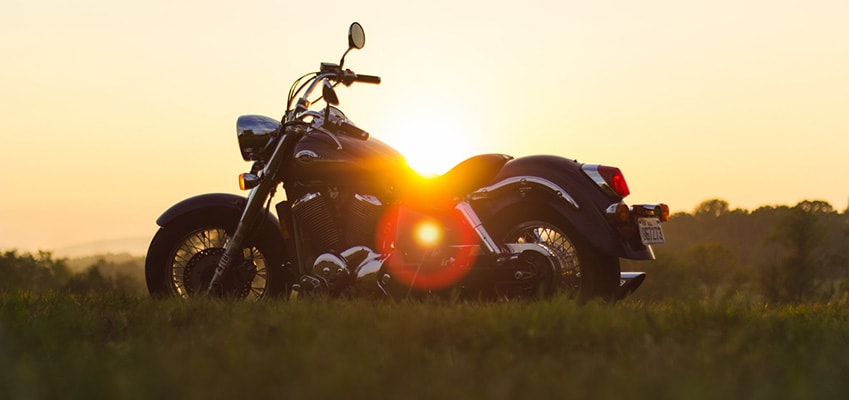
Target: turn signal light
[
  {"x": 623, "y": 213},
  {"x": 664, "y": 212},
  {"x": 248, "y": 181},
  {"x": 619, "y": 213}
]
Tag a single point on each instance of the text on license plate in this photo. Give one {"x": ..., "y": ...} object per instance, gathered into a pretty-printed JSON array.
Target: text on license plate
[{"x": 650, "y": 231}]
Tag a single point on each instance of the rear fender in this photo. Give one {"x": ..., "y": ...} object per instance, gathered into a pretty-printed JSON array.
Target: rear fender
[{"x": 559, "y": 184}]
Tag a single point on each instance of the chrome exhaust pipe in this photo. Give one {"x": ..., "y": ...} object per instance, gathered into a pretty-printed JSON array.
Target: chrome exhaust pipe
[{"x": 628, "y": 283}]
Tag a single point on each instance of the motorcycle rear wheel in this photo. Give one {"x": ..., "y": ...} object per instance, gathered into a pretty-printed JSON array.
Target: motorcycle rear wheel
[
  {"x": 182, "y": 258},
  {"x": 585, "y": 272}
]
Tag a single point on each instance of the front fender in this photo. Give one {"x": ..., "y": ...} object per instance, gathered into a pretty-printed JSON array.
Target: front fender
[
  {"x": 227, "y": 204},
  {"x": 559, "y": 184}
]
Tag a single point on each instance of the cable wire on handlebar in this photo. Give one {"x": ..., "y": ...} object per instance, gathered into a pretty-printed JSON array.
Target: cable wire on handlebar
[{"x": 293, "y": 93}]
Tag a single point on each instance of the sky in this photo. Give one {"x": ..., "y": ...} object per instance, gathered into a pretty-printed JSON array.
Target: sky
[{"x": 111, "y": 111}]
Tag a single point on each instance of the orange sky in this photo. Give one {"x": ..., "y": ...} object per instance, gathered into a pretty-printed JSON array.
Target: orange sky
[{"x": 112, "y": 111}]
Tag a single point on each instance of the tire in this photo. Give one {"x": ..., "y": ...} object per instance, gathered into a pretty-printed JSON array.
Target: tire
[
  {"x": 183, "y": 255},
  {"x": 585, "y": 273}
]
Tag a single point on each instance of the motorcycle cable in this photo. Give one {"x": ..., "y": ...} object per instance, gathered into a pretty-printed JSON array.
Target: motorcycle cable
[{"x": 293, "y": 94}]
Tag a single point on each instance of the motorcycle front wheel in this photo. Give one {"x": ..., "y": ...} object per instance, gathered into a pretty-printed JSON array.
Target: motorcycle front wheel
[
  {"x": 585, "y": 272},
  {"x": 183, "y": 255}
]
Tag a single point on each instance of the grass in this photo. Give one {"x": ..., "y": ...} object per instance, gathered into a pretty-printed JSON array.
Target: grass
[{"x": 114, "y": 346}]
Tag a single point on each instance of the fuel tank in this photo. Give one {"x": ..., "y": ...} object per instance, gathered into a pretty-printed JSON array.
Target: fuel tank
[{"x": 367, "y": 164}]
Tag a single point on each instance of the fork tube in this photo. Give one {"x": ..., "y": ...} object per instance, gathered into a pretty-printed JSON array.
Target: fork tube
[
  {"x": 472, "y": 219},
  {"x": 253, "y": 210}
]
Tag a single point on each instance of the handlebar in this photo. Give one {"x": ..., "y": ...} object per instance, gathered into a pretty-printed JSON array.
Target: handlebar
[
  {"x": 367, "y": 79},
  {"x": 328, "y": 72},
  {"x": 346, "y": 76},
  {"x": 352, "y": 130}
]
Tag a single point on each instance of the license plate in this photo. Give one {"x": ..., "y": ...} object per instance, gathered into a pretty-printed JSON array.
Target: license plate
[{"x": 650, "y": 231}]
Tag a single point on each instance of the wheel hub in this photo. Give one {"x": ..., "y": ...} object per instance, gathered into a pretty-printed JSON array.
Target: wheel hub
[
  {"x": 201, "y": 268},
  {"x": 560, "y": 247}
]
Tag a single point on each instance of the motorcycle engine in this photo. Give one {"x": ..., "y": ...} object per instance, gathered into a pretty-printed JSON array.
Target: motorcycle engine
[
  {"x": 363, "y": 215},
  {"x": 335, "y": 222},
  {"x": 314, "y": 213}
]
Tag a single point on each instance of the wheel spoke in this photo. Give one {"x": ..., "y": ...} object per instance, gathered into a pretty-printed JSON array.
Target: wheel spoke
[
  {"x": 196, "y": 257},
  {"x": 559, "y": 245}
]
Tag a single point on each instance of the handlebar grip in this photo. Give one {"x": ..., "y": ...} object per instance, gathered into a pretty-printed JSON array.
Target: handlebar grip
[
  {"x": 352, "y": 130},
  {"x": 367, "y": 79}
]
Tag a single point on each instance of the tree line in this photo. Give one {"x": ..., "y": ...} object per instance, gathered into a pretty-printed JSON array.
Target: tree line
[
  {"x": 773, "y": 254},
  {"x": 42, "y": 272}
]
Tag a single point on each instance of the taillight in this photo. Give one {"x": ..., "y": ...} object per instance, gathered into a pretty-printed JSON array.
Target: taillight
[
  {"x": 613, "y": 176},
  {"x": 609, "y": 179}
]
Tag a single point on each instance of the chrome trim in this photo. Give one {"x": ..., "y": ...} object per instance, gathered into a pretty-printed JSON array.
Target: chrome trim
[
  {"x": 368, "y": 199},
  {"x": 306, "y": 155},
  {"x": 472, "y": 219},
  {"x": 525, "y": 181},
  {"x": 369, "y": 272},
  {"x": 255, "y": 133},
  {"x": 306, "y": 198},
  {"x": 592, "y": 171},
  {"x": 256, "y": 125},
  {"x": 628, "y": 283},
  {"x": 516, "y": 248}
]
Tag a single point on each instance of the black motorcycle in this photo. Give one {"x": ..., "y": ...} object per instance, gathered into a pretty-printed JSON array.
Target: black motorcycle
[{"x": 357, "y": 221}]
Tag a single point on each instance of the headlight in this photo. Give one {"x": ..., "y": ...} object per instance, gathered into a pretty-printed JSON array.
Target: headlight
[{"x": 255, "y": 133}]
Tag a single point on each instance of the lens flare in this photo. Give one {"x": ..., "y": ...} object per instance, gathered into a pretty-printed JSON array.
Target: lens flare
[
  {"x": 428, "y": 233},
  {"x": 440, "y": 254}
]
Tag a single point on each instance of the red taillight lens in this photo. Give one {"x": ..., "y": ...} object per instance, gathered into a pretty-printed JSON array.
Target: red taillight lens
[{"x": 615, "y": 179}]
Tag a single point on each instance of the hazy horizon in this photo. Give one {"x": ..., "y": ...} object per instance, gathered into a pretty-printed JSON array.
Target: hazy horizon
[
  {"x": 113, "y": 111},
  {"x": 137, "y": 246}
]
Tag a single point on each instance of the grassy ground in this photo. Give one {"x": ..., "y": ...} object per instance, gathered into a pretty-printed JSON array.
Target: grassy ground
[{"x": 112, "y": 346}]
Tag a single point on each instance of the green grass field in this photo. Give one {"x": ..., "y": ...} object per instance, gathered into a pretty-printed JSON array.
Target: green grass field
[{"x": 113, "y": 346}]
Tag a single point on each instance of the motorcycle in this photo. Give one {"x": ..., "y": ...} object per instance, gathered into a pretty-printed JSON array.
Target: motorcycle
[{"x": 357, "y": 221}]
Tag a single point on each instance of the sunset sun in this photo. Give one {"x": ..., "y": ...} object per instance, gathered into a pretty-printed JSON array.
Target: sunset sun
[{"x": 432, "y": 146}]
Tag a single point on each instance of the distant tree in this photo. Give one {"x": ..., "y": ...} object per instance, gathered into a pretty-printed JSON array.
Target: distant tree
[
  {"x": 701, "y": 271},
  {"x": 816, "y": 207},
  {"x": 91, "y": 280},
  {"x": 126, "y": 276},
  {"x": 712, "y": 208},
  {"x": 32, "y": 272},
  {"x": 717, "y": 269},
  {"x": 41, "y": 272},
  {"x": 799, "y": 233}
]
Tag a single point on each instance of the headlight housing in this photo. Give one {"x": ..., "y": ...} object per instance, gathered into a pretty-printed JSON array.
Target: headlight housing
[{"x": 255, "y": 133}]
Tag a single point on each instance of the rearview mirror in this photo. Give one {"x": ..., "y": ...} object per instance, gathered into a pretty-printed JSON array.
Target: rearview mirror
[
  {"x": 329, "y": 94},
  {"x": 356, "y": 36}
]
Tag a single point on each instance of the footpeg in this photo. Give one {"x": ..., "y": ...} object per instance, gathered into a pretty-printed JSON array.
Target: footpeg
[{"x": 311, "y": 286}]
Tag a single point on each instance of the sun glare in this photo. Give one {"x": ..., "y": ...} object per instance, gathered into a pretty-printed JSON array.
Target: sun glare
[
  {"x": 432, "y": 150},
  {"x": 431, "y": 146}
]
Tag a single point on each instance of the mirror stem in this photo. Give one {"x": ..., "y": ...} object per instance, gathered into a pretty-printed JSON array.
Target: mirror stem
[{"x": 342, "y": 61}]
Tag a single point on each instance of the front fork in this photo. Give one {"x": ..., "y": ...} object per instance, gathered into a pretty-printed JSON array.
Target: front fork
[
  {"x": 256, "y": 200},
  {"x": 247, "y": 223}
]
